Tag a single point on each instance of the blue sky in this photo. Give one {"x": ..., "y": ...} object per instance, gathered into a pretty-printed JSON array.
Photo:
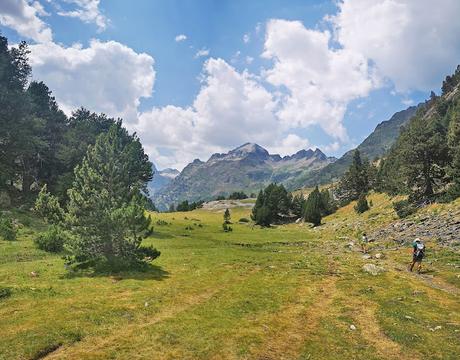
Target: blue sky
[{"x": 286, "y": 74}]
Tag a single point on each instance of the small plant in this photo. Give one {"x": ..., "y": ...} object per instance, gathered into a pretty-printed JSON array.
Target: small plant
[
  {"x": 404, "y": 208},
  {"x": 243, "y": 220},
  {"x": 4, "y": 292},
  {"x": 52, "y": 240},
  {"x": 226, "y": 227},
  {"x": 188, "y": 227},
  {"x": 7, "y": 229},
  {"x": 161, "y": 222},
  {"x": 362, "y": 204}
]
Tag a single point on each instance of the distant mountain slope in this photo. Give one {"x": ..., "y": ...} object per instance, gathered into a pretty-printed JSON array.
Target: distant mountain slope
[
  {"x": 161, "y": 178},
  {"x": 375, "y": 145},
  {"x": 249, "y": 168}
]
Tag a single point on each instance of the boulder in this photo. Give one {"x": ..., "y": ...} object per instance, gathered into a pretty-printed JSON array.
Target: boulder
[{"x": 373, "y": 269}]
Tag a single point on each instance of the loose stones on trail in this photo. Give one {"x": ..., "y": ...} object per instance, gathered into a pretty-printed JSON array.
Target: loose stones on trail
[{"x": 373, "y": 269}]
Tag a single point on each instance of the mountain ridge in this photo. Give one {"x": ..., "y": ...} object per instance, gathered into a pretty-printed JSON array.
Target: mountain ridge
[{"x": 248, "y": 167}]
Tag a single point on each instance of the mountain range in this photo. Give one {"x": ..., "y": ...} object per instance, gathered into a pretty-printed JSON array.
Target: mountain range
[{"x": 250, "y": 167}]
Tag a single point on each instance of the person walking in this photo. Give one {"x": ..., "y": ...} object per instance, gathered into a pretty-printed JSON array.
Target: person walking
[{"x": 418, "y": 254}]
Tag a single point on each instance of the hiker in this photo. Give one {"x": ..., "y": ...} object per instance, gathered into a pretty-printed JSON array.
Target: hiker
[
  {"x": 417, "y": 255},
  {"x": 364, "y": 242}
]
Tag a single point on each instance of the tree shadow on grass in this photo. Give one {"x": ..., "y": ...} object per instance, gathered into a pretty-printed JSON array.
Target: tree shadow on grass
[
  {"x": 158, "y": 235},
  {"x": 143, "y": 271}
]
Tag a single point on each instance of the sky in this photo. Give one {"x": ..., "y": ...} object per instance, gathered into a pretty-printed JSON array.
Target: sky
[{"x": 195, "y": 77}]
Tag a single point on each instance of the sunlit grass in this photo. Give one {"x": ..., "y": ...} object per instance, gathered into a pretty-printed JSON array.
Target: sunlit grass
[{"x": 287, "y": 292}]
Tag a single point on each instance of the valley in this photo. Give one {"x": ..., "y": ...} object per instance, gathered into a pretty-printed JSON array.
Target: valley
[{"x": 286, "y": 292}]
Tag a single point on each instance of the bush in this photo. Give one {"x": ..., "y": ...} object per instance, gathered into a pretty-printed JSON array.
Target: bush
[
  {"x": 404, "y": 208},
  {"x": 7, "y": 229},
  {"x": 243, "y": 220},
  {"x": 362, "y": 205},
  {"x": 4, "y": 292},
  {"x": 226, "y": 227},
  {"x": 52, "y": 240}
]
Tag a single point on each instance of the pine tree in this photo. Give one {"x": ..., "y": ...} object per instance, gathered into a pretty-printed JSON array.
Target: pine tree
[
  {"x": 328, "y": 205},
  {"x": 362, "y": 204},
  {"x": 258, "y": 205},
  {"x": 454, "y": 149},
  {"x": 356, "y": 180},
  {"x": 297, "y": 205},
  {"x": 313, "y": 208},
  {"x": 227, "y": 216},
  {"x": 105, "y": 212}
]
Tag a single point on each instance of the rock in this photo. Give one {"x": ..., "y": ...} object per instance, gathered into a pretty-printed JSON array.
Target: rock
[
  {"x": 146, "y": 304},
  {"x": 408, "y": 317},
  {"x": 439, "y": 327},
  {"x": 352, "y": 327},
  {"x": 367, "y": 256},
  {"x": 298, "y": 221},
  {"x": 373, "y": 269},
  {"x": 379, "y": 256},
  {"x": 34, "y": 274}
]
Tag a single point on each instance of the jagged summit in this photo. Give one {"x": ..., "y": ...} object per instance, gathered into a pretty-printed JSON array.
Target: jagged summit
[{"x": 248, "y": 168}]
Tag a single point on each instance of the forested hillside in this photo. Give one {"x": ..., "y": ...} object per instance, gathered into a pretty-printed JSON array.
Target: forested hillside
[
  {"x": 425, "y": 160},
  {"x": 375, "y": 145},
  {"x": 39, "y": 144}
]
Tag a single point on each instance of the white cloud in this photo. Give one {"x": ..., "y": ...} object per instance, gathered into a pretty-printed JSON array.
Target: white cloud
[
  {"x": 289, "y": 145},
  {"x": 87, "y": 11},
  {"x": 202, "y": 53},
  {"x": 414, "y": 43},
  {"x": 24, "y": 17},
  {"x": 180, "y": 37},
  {"x": 230, "y": 109},
  {"x": 246, "y": 38},
  {"x": 320, "y": 80},
  {"x": 105, "y": 77},
  {"x": 249, "y": 60}
]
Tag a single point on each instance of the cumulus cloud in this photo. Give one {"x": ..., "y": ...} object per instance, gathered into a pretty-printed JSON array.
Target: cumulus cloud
[
  {"x": 414, "y": 43},
  {"x": 202, "y": 53},
  {"x": 319, "y": 79},
  {"x": 24, "y": 17},
  {"x": 230, "y": 109},
  {"x": 289, "y": 145},
  {"x": 105, "y": 77},
  {"x": 180, "y": 38},
  {"x": 87, "y": 11},
  {"x": 246, "y": 38}
]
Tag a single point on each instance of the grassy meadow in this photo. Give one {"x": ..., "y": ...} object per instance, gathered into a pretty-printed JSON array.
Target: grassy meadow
[{"x": 289, "y": 292}]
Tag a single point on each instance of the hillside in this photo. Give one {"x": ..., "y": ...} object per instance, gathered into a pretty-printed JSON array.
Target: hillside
[
  {"x": 161, "y": 178},
  {"x": 289, "y": 292},
  {"x": 248, "y": 167},
  {"x": 375, "y": 145}
]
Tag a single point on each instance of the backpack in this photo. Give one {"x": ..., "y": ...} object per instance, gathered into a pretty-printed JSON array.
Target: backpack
[{"x": 420, "y": 250}]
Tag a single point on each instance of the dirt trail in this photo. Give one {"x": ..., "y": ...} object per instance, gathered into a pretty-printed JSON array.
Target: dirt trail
[
  {"x": 371, "y": 331},
  {"x": 296, "y": 322},
  {"x": 89, "y": 348}
]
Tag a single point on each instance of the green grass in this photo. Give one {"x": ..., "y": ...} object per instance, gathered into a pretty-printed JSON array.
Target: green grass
[{"x": 287, "y": 292}]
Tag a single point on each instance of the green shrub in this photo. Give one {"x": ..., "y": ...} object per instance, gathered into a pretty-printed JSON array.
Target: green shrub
[
  {"x": 243, "y": 220},
  {"x": 4, "y": 292},
  {"x": 7, "y": 229},
  {"x": 362, "y": 204},
  {"x": 226, "y": 227},
  {"x": 404, "y": 208},
  {"x": 52, "y": 240}
]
